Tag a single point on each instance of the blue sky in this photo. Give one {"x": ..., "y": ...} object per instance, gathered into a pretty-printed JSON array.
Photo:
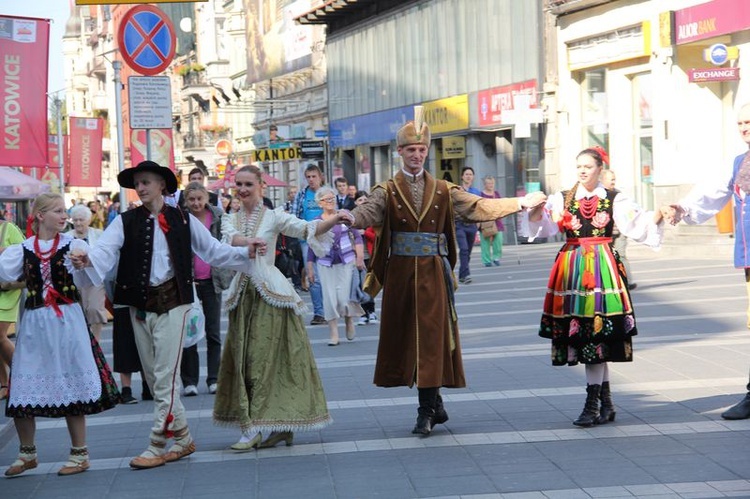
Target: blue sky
[{"x": 58, "y": 11}]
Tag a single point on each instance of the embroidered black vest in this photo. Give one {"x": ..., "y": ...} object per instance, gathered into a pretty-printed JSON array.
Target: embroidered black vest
[
  {"x": 62, "y": 280},
  {"x": 134, "y": 269}
]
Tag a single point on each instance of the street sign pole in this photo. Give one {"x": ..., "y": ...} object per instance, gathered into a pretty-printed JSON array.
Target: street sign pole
[
  {"x": 148, "y": 144},
  {"x": 116, "y": 65}
]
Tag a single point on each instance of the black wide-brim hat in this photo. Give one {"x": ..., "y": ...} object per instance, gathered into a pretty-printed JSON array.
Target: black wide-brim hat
[{"x": 125, "y": 177}]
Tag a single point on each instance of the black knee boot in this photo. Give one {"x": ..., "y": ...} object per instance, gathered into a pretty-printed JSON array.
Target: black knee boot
[
  {"x": 607, "y": 411},
  {"x": 440, "y": 415},
  {"x": 590, "y": 414},
  {"x": 426, "y": 411}
]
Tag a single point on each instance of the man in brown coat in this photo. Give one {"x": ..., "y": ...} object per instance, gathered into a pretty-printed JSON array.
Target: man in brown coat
[{"x": 413, "y": 260}]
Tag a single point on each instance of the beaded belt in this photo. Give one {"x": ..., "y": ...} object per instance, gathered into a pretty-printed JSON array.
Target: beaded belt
[{"x": 418, "y": 244}]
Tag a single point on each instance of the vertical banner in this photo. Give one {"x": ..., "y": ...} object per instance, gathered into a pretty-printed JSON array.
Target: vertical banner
[
  {"x": 24, "y": 48},
  {"x": 85, "y": 165},
  {"x": 162, "y": 150}
]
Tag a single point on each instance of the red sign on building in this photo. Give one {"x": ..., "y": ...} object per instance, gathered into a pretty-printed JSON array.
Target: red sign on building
[
  {"x": 491, "y": 103},
  {"x": 711, "y": 19},
  {"x": 713, "y": 74}
]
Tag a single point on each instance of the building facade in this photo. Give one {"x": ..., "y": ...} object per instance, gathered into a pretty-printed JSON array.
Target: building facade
[
  {"x": 638, "y": 79},
  {"x": 476, "y": 67}
]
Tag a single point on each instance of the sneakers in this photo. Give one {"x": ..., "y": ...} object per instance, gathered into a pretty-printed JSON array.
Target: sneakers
[
  {"x": 127, "y": 396},
  {"x": 496, "y": 263},
  {"x": 465, "y": 280},
  {"x": 363, "y": 321},
  {"x": 318, "y": 321},
  {"x": 212, "y": 388},
  {"x": 190, "y": 391},
  {"x": 372, "y": 318}
]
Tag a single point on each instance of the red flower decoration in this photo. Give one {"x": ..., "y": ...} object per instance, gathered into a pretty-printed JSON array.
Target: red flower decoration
[
  {"x": 163, "y": 223},
  {"x": 600, "y": 220},
  {"x": 564, "y": 222}
]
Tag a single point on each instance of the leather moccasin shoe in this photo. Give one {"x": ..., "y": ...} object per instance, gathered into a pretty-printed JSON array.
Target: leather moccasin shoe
[
  {"x": 146, "y": 463},
  {"x": 179, "y": 452},
  {"x": 73, "y": 468},
  {"x": 19, "y": 466}
]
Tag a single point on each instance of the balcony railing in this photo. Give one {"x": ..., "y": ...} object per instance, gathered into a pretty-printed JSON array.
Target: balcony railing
[{"x": 194, "y": 78}]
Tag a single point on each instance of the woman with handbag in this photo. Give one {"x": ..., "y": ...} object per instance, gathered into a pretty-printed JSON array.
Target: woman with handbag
[
  {"x": 491, "y": 233},
  {"x": 10, "y": 293},
  {"x": 208, "y": 287},
  {"x": 336, "y": 270},
  {"x": 268, "y": 380}
]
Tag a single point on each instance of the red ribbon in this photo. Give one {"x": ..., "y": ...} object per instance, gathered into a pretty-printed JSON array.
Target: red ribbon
[
  {"x": 163, "y": 224},
  {"x": 51, "y": 300},
  {"x": 29, "y": 228}
]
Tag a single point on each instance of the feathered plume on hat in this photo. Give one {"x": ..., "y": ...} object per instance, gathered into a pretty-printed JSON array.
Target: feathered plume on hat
[{"x": 414, "y": 132}]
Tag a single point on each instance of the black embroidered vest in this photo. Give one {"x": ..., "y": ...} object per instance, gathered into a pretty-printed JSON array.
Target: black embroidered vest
[
  {"x": 134, "y": 268},
  {"x": 62, "y": 280}
]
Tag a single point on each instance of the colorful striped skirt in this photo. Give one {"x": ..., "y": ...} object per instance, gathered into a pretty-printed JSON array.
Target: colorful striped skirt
[{"x": 588, "y": 313}]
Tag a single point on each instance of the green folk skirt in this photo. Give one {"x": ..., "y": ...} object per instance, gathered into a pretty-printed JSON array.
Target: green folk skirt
[{"x": 268, "y": 380}]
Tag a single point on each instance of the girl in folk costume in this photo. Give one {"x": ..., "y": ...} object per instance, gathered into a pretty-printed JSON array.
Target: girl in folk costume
[
  {"x": 268, "y": 380},
  {"x": 58, "y": 368},
  {"x": 588, "y": 313}
]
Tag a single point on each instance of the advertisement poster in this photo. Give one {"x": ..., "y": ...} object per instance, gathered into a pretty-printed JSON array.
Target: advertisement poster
[
  {"x": 85, "y": 164},
  {"x": 162, "y": 151},
  {"x": 24, "y": 48},
  {"x": 276, "y": 45}
]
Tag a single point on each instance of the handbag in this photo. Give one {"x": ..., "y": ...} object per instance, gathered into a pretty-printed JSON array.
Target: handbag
[
  {"x": 10, "y": 285},
  {"x": 488, "y": 229},
  {"x": 194, "y": 323},
  {"x": 286, "y": 260}
]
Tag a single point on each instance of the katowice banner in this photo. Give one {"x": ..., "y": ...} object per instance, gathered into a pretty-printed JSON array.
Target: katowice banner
[
  {"x": 85, "y": 165},
  {"x": 24, "y": 48}
]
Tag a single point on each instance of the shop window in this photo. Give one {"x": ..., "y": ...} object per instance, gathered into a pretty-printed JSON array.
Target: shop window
[{"x": 594, "y": 112}]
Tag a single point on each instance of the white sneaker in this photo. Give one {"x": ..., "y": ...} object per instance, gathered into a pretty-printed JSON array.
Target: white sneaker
[
  {"x": 212, "y": 388},
  {"x": 362, "y": 321},
  {"x": 373, "y": 318},
  {"x": 190, "y": 391}
]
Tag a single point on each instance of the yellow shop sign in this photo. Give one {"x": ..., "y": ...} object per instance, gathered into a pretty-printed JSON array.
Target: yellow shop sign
[
  {"x": 447, "y": 115},
  {"x": 454, "y": 147},
  {"x": 265, "y": 155}
]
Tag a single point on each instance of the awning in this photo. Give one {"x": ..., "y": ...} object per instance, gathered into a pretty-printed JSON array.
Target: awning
[{"x": 15, "y": 185}]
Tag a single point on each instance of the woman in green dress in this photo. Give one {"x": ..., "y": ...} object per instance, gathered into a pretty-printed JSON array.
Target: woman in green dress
[
  {"x": 268, "y": 380},
  {"x": 9, "y": 300}
]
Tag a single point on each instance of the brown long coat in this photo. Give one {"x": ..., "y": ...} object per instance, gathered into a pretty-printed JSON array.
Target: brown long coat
[{"x": 419, "y": 340}]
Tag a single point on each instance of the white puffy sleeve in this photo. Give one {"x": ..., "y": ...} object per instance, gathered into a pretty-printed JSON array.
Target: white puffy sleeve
[
  {"x": 291, "y": 226},
  {"x": 635, "y": 222},
  {"x": 551, "y": 213},
  {"x": 11, "y": 263},
  {"x": 708, "y": 197},
  {"x": 81, "y": 279}
]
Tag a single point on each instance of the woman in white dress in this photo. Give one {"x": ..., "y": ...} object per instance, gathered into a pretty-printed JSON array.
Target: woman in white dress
[
  {"x": 58, "y": 368},
  {"x": 93, "y": 298}
]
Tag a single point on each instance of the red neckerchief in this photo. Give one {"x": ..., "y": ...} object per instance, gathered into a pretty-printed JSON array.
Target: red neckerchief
[{"x": 161, "y": 219}]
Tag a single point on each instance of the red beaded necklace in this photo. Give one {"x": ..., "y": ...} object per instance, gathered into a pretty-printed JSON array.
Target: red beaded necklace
[
  {"x": 45, "y": 256},
  {"x": 588, "y": 206}
]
